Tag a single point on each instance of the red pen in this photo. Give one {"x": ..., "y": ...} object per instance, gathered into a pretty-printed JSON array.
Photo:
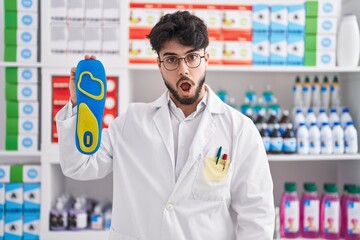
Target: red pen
[{"x": 224, "y": 157}]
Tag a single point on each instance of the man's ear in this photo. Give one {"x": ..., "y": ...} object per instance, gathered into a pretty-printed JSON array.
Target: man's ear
[{"x": 158, "y": 62}]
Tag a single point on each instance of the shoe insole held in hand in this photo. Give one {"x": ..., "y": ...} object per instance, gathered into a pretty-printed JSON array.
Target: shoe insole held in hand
[{"x": 91, "y": 95}]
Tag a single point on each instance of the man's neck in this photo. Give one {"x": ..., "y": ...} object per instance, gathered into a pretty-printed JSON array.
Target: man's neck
[{"x": 189, "y": 109}]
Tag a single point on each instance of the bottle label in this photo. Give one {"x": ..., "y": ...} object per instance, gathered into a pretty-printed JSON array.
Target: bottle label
[
  {"x": 353, "y": 220},
  {"x": 266, "y": 141},
  {"x": 276, "y": 144},
  {"x": 291, "y": 216},
  {"x": 311, "y": 215},
  {"x": 331, "y": 217},
  {"x": 289, "y": 145}
]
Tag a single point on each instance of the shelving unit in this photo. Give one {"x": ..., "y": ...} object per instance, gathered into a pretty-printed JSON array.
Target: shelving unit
[{"x": 143, "y": 82}]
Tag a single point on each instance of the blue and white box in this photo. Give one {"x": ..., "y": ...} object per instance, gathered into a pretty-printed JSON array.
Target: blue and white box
[
  {"x": 27, "y": 75},
  {"x": 279, "y": 19},
  {"x": 14, "y": 199},
  {"x": 261, "y": 49},
  {"x": 28, "y": 109},
  {"x": 295, "y": 50},
  {"x": 261, "y": 18},
  {"x": 328, "y": 8},
  {"x": 4, "y": 173},
  {"x": 325, "y": 58},
  {"x": 2, "y": 210},
  {"x": 325, "y": 42},
  {"x": 31, "y": 226},
  {"x": 13, "y": 226},
  {"x": 27, "y": 6},
  {"x": 26, "y": 37},
  {"x": 27, "y": 20},
  {"x": 296, "y": 19},
  {"x": 278, "y": 49},
  {"x": 31, "y": 173},
  {"x": 32, "y": 197},
  {"x": 28, "y": 126},
  {"x": 326, "y": 25}
]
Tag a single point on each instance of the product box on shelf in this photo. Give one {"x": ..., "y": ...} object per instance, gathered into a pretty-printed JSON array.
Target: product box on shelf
[
  {"x": 31, "y": 198},
  {"x": 261, "y": 49},
  {"x": 21, "y": 92},
  {"x": 237, "y": 21},
  {"x": 19, "y": 53},
  {"x": 215, "y": 49},
  {"x": 211, "y": 14},
  {"x": 21, "y": 20},
  {"x": 143, "y": 16},
  {"x": 322, "y": 8},
  {"x": 75, "y": 40},
  {"x": 16, "y": 126},
  {"x": 75, "y": 11},
  {"x": 320, "y": 58},
  {"x": 21, "y": 142},
  {"x": 15, "y": 75},
  {"x": 111, "y": 12},
  {"x": 110, "y": 40},
  {"x": 320, "y": 42},
  {"x": 278, "y": 19},
  {"x": 173, "y": 7},
  {"x": 321, "y": 25},
  {"x": 93, "y": 36},
  {"x": 20, "y": 173},
  {"x": 296, "y": 19},
  {"x": 21, "y": 5},
  {"x": 278, "y": 49},
  {"x": 140, "y": 51},
  {"x": 31, "y": 227},
  {"x": 237, "y": 53},
  {"x": 13, "y": 226},
  {"x": 21, "y": 37},
  {"x": 295, "y": 49},
  {"x": 14, "y": 198},
  {"x": 261, "y": 18},
  {"x": 17, "y": 109}
]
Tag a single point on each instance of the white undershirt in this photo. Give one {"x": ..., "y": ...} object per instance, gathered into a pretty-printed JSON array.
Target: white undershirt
[{"x": 184, "y": 130}]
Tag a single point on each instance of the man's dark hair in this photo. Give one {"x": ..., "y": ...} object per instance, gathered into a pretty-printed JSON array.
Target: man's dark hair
[{"x": 186, "y": 28}]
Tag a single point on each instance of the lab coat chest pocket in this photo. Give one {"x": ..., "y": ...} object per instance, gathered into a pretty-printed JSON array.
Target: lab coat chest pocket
[{"x": 212, "y": 181}]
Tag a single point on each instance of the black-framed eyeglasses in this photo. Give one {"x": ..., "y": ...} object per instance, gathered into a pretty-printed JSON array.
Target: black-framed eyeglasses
[{"x": 192, "y": 60}]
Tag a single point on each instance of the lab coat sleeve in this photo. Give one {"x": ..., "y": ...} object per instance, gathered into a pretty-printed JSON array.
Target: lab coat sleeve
[
  {"x": 252, "y": 187},
  {"x": 74, "y": 164}
]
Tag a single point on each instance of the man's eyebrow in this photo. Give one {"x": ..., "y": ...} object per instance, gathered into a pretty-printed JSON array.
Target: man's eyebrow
[{"x": 174, "y": 54}]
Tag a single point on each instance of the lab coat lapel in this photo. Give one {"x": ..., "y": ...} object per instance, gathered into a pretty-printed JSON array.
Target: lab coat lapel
[
  {"x": 205, "y": 131},
  {"x": 163, "y": 124}
]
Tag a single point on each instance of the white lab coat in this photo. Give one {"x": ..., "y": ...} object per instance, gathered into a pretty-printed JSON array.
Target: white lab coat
[{"x": 147, "y": 202}]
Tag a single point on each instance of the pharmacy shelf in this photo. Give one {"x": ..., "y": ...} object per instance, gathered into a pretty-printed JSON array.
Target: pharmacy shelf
[
  {"x": 80, "y": 235},
  {"x": 260, "y": 69},
  {"x": 320, "y": 157}
]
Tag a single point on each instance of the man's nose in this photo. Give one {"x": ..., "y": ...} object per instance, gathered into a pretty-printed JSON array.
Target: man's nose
[{"x": 183, "y": 69}]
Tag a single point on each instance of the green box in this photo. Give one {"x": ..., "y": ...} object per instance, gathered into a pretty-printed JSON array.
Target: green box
[
  {"x": 11, "y": 19},
  {"x": 10, "y": 5},
  {"x": 10, "y": 36},
  {"x": 11, "y": 75},
  {"x": 310, "y": 58},
  {"x": 10, "y": 53},
  {"x": 310, "y": 42},
  {"x": 312, "y": 8},
  {"x": 311, "y": 26},
  {"x": 12, "y": 109},
  {"x": 12, "y": 126},
  {"x": 16, "y": 173},
  {"x": 11, "y": 142},
  {"x": 11, "y": 92}
]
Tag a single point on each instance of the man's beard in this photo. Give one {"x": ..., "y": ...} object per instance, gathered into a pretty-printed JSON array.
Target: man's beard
[{"x": 186, "y": 101}]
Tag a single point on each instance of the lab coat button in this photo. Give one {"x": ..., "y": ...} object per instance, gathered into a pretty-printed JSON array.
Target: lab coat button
[{"x": 170, "y": 207}]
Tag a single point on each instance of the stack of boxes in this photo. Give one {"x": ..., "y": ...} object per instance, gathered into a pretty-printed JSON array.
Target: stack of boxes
[
  {"x": 21, "y": 31},
  {"x": 321, "y": 30},
  {"x": 20, "y": 202},
  {"x": 61, "y": 96},
  {"x": 79, "y": 27},
  {"x": 22, "y": 109},
  {"x": 261, "y": 33}
]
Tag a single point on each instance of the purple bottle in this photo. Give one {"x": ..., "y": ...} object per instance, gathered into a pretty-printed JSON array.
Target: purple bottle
[
  {"x": 330, "y": 212},
  {"x": 310, "y": 212},
  {"x": 351, "y": 216},
  {"x": 344, "y": 197},
  {"x": 78, "y": 218},
  {"x": 59, "y": 217},
  {"x": 289, "y": 212}
]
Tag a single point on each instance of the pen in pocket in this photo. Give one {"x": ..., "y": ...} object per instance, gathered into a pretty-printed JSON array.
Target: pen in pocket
[
  {"x": 218, "y": 155},
  {"x": 224, "y": 158}
]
